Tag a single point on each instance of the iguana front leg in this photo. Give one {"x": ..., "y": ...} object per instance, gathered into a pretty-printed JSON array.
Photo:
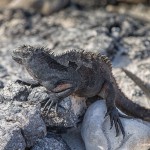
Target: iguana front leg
[
  {"x": 58, "y": 93},
  {"x": 108, "y": 93},
  {"x": 55, "y": 95},
  {"x": 30, "y": 82}
]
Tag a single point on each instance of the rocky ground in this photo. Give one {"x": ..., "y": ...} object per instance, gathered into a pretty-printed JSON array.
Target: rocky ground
[{"x": 124, "y": 36}]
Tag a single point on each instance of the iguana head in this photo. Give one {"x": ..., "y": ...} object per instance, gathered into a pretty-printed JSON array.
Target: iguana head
[
  {"x": 45, "y": 68},
  {"x": 23, "y": 54}
]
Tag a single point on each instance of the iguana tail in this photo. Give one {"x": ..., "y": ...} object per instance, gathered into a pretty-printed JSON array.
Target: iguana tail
[
  {"x": 131, "y": 108},
  {"x": 144, "y": 86}
]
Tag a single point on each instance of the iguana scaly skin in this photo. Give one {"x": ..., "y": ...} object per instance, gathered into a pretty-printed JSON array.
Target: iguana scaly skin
[{"x": 82, "y": 73}]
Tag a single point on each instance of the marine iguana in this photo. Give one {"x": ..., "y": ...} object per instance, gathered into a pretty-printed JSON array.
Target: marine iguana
[{"x": 85, "y": 74}]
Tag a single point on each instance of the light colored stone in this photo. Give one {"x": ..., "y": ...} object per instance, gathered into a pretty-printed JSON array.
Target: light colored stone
[
  {"x": 73, "y": 138},
  {"x": 14, "y": 92},
  {"x": 38, "y": 94},
  {"x": 97, "y": 135}
]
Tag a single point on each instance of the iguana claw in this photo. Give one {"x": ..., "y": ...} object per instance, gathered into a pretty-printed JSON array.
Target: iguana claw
[
  {"x": 49, "y": 104},
  {"x": 115, "y": 120},
  {"x": 52, "y": 101}
]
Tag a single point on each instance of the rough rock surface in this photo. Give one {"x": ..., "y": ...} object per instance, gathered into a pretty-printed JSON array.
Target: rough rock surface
[
  {"x": 30, "y": 124},
  {"x": 11, "y": 136},
  {"x": 51, "y": 142},
  {"x": 97, "y": 135},
  {"x": 14, "y": 92},
  {"x": 37, "y": 94},
  {"x": 20, "y": 125}
]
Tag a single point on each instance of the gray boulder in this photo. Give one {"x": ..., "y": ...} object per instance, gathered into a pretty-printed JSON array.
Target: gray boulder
[
  {"x": 97, "y": 135},
  {"x": 52, "y": 142},
  {"x": 11, "y": 137},
  {"x": 20, "y": 125}
]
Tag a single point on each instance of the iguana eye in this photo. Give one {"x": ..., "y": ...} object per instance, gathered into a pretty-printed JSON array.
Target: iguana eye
[
  {"x": 17, "y": 59},
  {"x": 61, "y": 86}
]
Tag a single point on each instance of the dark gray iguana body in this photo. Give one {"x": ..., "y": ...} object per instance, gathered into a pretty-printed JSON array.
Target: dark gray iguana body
[{"x": 82, "y": 73}]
